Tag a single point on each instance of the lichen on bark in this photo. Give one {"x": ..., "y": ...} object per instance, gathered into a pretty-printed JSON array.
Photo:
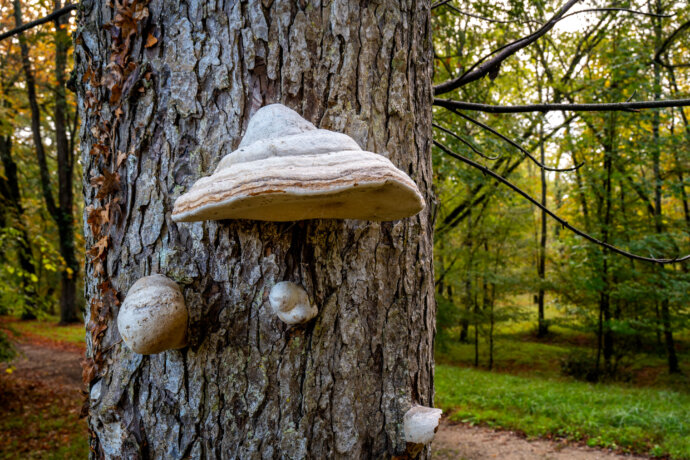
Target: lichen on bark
[{"x": 249, "y": 386}]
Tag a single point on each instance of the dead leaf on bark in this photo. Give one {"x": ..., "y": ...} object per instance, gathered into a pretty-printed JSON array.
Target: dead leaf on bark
[{"x": 150, "y": 41}]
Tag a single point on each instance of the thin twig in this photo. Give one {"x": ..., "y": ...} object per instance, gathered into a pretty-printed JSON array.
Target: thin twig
[
  {"x": 55, "y": 14},
  {"x": 558, "y": 219},
  {"x": 466, "y": 142},
  {"x": 606, "y": 107},
  {"x": 513, "y": 143},
  {"x": 626, "y": 10}
]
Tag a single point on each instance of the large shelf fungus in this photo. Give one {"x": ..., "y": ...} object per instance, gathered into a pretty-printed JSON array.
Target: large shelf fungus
[
  {"x": 153, "y": 317},
  {"x": 419, "y": 425},
  {"x": 291, "y": 304},
  {"x": 286, "y": 169}
]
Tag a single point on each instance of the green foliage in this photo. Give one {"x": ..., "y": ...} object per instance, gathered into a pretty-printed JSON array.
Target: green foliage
[
  {"x": 632, "y": 190},
  {"x": 7, "y": 352},
  {"x": 648, "y": 421},
  {"x": 22, "y": 291}
]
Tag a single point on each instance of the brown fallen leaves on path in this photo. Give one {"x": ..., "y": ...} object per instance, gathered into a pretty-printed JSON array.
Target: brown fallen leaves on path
[{"x": 40, "y": 401}]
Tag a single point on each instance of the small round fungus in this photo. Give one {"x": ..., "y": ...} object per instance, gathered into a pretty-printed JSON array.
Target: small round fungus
[
  {"x": 290, "y": 303},
  {"x": 153, "y": 317},
  {"x": 286, "y": 169},
  {"x": 420, "y": 424}
]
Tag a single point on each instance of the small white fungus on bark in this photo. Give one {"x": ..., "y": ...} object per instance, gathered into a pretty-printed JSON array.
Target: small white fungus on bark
[
  {"x": 291, "y": 304},
  {"x": 420, "y": 424},
  {"x": 153, "y": 317}
]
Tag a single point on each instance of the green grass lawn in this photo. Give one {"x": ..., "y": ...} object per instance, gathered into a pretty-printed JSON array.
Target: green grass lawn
[{"x": 643, "y": 420}]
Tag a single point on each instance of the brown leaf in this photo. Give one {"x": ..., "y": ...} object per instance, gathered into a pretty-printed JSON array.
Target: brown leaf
[
  {"x": 84, "y": 411},
  {"x": 121, "y": 157},
  {"x": 99, "y": 248},
  {"x": 99, "y": 150},
  {"x": 94, "y": 219},
  {"x": 107, "y": 183},
  {"x": 88, "y": 370},
  {"x": 98, "y": 269},
  {"x": 150, "y": 41}
]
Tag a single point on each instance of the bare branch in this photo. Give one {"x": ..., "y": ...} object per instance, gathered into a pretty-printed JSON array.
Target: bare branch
[
  {"x": 440, "y": 3},
  {"x": 607, "y": 107},
  {"x": 55, "y": 14},
  {"x": 666, "y": 43},
  {"x": 490, "y": 67},
  {"x": 626, "y": 10},
  {"x": 464, "y": 141},
  {"x": 513, "y": 143},
  {"x": 558, "y": 219}
]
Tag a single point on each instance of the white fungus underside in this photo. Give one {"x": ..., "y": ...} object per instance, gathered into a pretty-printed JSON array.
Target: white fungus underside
[{"x": 340, "y": 185}]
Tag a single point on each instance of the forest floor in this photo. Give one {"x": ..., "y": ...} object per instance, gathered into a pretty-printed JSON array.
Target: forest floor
[
  {"x": 40, "y": 396},
  {"x": 40, "y": 402}
]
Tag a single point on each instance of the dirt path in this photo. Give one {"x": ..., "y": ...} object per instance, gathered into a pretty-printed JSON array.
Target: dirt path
[
  {"x": 47, "y": 364},
  {"x": 477, "y": 443},
  {"x": 39, "y": 362}
]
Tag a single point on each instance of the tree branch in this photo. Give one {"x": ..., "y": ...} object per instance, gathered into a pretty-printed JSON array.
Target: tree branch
[
  {"x": 55, "y": 14},
  {"x": 513, "y": 143},
  {"x": 479, "y": 70},
  {"x": 491, "y": 67},
  {"x": 464, "y": 141},
  {"x": 558, "y": 219},
  {"x": 666, "y": 43},
  {"x": 626, "y": 10},
  {"x": 606, "y": 107}
]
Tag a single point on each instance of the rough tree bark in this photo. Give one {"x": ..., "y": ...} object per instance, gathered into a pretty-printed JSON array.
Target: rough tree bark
[{"x": 248, "y": 386}]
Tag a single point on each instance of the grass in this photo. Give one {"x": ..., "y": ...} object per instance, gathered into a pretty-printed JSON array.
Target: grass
[
  {"x": 518, "y": 352},
  {"x": 48, "y": 329},
  {"x": 642, "y": 420}
]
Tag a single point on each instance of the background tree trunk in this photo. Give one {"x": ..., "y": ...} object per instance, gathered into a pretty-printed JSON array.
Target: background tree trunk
[
  {"x": 61, "y": 212},
  {"x": 65, "y": 164},
  {"x": 248, "y": 386}
]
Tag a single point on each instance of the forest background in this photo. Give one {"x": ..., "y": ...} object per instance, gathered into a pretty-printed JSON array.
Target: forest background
[{"x": 527, "y": 310}]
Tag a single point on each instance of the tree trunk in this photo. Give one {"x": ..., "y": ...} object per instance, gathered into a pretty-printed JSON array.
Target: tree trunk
[
  {"x": 13, "y": 214},
  {"x": 542, "y": 326},
  {"x": 673, "y": 366},
  {"x": 248, "y": 386},
  {"x": 62, "y": 216},
  {"x": 65, "y": 164}
]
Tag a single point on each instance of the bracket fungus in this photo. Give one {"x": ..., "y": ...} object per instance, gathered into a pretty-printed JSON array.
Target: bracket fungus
[
  {"x": 419, "y": 425},
  {"x": 290, "y": 303},
  {"x": 286, "y": 169},
  {"x": 153, "y": 317}
]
